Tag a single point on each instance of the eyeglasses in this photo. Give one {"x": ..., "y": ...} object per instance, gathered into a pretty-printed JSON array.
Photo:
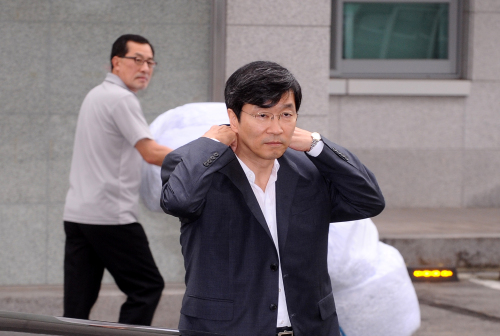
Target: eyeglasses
[
  {"x": 139, "y": 61},
  {"x": 266, "y": 117}
]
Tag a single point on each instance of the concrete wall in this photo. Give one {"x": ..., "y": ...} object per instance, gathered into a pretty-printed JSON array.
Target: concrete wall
[
  {"x": 293, "y": 33},
  {"x": 53, "y": 52}
]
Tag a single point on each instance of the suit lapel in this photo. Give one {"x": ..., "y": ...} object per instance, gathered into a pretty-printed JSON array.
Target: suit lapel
[
  {"x": 237, "y": 176},
  {"x": 285, "y": 191}
]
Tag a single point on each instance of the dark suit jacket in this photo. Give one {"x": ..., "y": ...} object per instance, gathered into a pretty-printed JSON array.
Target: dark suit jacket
[{"x": 229, "y": 255}]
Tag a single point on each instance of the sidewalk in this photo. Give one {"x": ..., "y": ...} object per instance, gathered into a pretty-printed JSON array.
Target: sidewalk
[
  {"x": 468, "y": 307},
  {"x": 466, "y": 238},
  {"x": 48, "y": 300}
]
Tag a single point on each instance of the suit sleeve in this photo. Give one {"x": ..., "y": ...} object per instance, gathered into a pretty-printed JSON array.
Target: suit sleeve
[
  {"x": 354, "y": 191},
  {"x": 187, "y": 173}
]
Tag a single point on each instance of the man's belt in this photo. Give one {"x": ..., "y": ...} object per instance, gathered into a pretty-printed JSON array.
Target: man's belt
[{"x": 284, "y": 331}]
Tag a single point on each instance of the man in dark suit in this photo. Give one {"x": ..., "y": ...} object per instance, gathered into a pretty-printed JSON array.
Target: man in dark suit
[{"x": 255, "y": 200}]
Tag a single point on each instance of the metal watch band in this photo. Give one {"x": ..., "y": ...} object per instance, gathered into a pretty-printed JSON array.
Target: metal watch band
[{"x": 316, "y": 137}]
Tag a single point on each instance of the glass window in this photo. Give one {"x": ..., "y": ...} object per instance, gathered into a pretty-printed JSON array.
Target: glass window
[{"x": 395, "y": 38}]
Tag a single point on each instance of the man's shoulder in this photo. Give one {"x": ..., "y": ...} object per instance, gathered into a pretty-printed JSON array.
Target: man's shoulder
[
  {"x": 202, "y": 146},
  {"x": 298, "y": 161},
  {"x": 108, "y": 92},
  {"x": 294, "y": 156},
  {"x": 113, "y": 89}
]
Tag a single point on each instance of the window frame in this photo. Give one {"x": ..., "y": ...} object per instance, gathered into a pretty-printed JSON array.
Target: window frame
[{"x": 397, "y": 68}]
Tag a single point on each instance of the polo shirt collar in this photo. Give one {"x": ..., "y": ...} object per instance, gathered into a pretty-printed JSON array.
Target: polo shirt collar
[{"x": 112, "y": 78}]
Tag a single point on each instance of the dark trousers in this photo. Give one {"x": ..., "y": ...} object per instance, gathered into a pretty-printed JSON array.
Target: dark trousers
[{"x": 124, "y": 251}]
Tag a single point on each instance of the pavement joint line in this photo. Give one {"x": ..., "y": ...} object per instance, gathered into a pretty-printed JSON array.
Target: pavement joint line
[
  {"x": 459, "y": 310},
  {"x": 494, "y": 284},
  {"x": 440, "y": 236}
]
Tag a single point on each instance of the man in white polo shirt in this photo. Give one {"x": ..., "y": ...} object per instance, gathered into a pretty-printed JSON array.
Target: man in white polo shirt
[{"x": 100, "y": 214}]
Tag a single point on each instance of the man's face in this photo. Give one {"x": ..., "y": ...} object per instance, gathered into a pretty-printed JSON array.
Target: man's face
[
  {"x": 259, "y": 141},
  {"x": 136, "y": 77}
]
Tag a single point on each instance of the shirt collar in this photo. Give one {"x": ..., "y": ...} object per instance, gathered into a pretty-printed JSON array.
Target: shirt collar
[
  {"x": 112, "y": 78},
  {"x": 251, "y": 175}
]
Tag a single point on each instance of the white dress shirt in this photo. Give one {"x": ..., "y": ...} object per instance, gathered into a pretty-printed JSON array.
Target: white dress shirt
[{"x": 267, "y": 202}]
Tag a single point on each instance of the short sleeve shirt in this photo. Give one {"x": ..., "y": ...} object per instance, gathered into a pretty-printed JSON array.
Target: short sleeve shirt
[{"x": 106, "y": 167}]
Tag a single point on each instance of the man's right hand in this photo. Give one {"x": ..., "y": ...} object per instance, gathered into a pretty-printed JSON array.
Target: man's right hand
[{"x": 223, "y": 134}]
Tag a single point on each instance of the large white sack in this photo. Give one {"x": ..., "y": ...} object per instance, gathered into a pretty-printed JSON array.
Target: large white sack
[
  {"x": 175, "y": 128},
  {"x": 372, "y": 289}
]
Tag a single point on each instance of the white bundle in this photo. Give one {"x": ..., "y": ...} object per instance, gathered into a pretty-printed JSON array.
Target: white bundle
[
  {"x": 175, "y": 128},
  {"x": 372, "y": 289}
]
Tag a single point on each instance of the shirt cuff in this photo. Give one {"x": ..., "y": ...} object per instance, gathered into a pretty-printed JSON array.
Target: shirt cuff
[{"x": 316, "y": 149}]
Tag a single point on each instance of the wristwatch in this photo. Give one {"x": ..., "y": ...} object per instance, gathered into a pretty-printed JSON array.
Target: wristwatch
[{"x": 316, "y": 137}]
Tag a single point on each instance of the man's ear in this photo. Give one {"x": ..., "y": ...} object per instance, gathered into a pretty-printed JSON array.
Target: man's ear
[
  {"x": 233, "y": 120},
  {"x": 116, "y": 64}
]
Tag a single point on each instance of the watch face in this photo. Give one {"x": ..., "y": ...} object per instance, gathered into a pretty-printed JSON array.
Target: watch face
[{"x": 316, "y": 136}]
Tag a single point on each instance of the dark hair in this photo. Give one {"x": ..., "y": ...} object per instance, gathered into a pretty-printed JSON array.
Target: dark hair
[
  {"x": 120, "y": 46},
  {"x": 260, "y": 83}
]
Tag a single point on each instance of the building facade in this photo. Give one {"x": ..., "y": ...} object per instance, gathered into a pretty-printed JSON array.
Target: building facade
[{"x": 432, "y": 141}]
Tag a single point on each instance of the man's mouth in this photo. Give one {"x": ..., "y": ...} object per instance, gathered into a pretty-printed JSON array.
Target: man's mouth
[{"x": 274, "y": 143}]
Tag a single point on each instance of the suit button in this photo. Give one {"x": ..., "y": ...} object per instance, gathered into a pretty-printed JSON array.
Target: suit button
[
  {"x": 274, "y": 267},
  {"x": 273, "y": 307}
]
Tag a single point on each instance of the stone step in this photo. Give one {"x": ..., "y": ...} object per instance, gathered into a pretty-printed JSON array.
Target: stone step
[
  {"x": 462, "y": 238},
  {"x": 459, "y": 252}
]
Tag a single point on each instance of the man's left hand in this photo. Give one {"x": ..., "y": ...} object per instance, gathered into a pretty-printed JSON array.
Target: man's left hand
[{"x": 301, "y": 140}]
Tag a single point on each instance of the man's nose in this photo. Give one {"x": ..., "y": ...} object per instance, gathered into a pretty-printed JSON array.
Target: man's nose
[
  {"x": 145, "y": 67},
  {"x": 275, "y": 126}
]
